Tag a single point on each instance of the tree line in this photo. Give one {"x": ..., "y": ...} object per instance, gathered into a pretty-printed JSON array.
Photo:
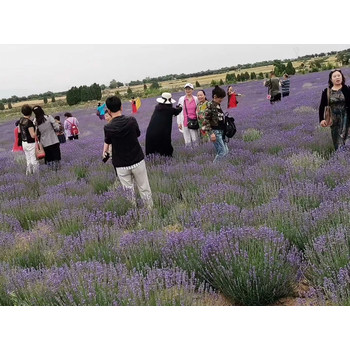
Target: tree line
[{"x": 83, "y": 93}]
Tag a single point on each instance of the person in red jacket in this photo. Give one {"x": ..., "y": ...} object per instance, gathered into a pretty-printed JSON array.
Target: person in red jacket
[
  {"x": 17, "y": 145},
  {"x": 231, "y": 97}
]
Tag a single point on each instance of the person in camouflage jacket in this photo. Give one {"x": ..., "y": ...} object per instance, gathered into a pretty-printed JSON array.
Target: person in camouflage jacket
[{"x": 214, "y": 123}]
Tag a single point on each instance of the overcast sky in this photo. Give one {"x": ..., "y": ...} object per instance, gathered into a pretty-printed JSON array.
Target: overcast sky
[{"x": 29, "y": 69}]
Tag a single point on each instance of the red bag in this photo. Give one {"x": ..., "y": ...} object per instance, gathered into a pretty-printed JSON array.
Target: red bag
[
  {"x": 73, "y": 129},
  {"x": 39, "y": 150}
]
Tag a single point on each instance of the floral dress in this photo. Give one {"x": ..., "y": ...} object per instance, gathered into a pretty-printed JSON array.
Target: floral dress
[
  {"x": 340, "y": 126},
  {"x": 200, "y": 111}
]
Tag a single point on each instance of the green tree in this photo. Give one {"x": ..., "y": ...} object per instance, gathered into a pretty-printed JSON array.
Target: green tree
[
  {"x": 113, "y": 84},
  {"x": 73, "y": 96},
  {"x": 246, "y": 76},
  {"x": 129, "y": 91},
  {"x": 290, "y": 70},
  {"x": 84, "y": 93},
  {"x": 103, "y": 87},
  {"x": 2, "y": 106},
  {"x": 261, "y": 75},
  {"x": 45, "y": 99},
  {"x": 197, "y": 84},
  {"x": 221, "y": 82},
  {"x": 119, "y": 84},
  {"x": 155, "y": 85},
  {"x": 53, "y": 98},
  {"x": 95, "y": 92},
  {"x": 238, "y": 77},
  {"x": 252, "y": 75},
  {"x": 9, "y": 105},
  {"x": 213, "y": 83}
]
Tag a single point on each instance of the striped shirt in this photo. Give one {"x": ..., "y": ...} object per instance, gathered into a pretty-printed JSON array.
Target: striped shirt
[{"x": 285, "y": 84}]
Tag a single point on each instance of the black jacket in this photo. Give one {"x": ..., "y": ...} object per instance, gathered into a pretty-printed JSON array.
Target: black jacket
[
  {"x": 324, "y": 102},
  {"x": 158, "y": 135},
  {"x": 122, "y": 132}
]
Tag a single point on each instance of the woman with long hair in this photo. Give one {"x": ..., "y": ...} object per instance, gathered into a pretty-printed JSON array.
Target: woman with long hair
[
  {"x": 47, "y": 129},
  {"x": 337, "y": 96}
]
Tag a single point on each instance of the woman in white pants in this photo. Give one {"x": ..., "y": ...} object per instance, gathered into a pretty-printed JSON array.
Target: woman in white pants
[
  {"x": 189, "y": 105},
  {"x": 27, "y": 131}
]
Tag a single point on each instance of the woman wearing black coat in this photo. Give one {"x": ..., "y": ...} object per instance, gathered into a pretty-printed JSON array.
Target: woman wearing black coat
[
  {"x": 339, "y": 101},
  {"x": 158, "y": 135}
]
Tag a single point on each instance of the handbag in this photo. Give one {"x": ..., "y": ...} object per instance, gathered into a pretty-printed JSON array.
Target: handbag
[
  {"x": 191, "y": 123},
  {"x": 39, "y": 150},
  {"x": 328, "y": 112}
]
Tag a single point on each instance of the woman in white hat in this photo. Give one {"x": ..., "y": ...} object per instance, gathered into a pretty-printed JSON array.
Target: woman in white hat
[
  {"x": 189, "y": 105},
  {"x": 158, "y": 134}
]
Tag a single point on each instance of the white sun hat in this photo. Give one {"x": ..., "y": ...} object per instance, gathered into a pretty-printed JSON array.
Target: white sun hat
[{"x": 165, "y": 99}]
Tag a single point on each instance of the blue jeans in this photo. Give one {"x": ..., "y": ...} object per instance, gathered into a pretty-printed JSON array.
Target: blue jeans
[{"x": 220, "y": 145}]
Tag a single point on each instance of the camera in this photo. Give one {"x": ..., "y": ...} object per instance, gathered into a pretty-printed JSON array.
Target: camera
[{"x": 106, "y": 157}]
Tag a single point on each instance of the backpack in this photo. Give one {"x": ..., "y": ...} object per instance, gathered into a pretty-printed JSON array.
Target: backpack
[
  {"x": 73, "y": 129},
  {"x": 230, "y": 127}
]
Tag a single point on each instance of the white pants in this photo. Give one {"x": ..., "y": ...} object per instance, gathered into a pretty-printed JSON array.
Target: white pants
[
  {"x": 139, "y": 174},
  {"x": 32, "y": 162},
  {"x": 190, "y": 136}
]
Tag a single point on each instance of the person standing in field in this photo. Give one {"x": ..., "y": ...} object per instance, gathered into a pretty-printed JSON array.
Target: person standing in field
[
  {"x": 214, "y": 123},
  {"x": 188, "y": 103},
  {"x": 17, "y": 144},
  {"x": 285, "y": 85},
  {"x": 133, "y": 105},
  {"x": 273, "y": 85},
  {"x": 158, "y": 134},
  {"x": 231, "y": 97},
  {"x": 122, "y": 133},
  {"x": 27, "y": 130},
  {"x": 47, "y": 129},
  {"x": 60, "y": 134},
  {"x": 337, "y": 96},
  {"x": 200, "y": 111},
  {"x": 71, "y": 127}
]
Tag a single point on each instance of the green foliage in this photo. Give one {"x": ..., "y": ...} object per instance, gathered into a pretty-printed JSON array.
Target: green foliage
[
  {"x": 155, "y": 85},
  {"x": 279, "y": 67},
  {"x": 261, "y": 75},
  {"x": 197, "y": 83},
  {"x": 83, "y": 94},
  {"x": 221, "y": 82},
  {"x": 290, "y": 70},
  {"x": 252, "y": 135},
  {"x": 252, "y": 75},
  {"x": 213, "y": 83},
  {"x": 9, "y": 105},
  {"x": 2, "y": 106},
  {"x": 144, "y": 87},
  {"x": 45, "y": 99},
  {"x": 53, "y": 98},
  {"x": 113, "y": 84}
]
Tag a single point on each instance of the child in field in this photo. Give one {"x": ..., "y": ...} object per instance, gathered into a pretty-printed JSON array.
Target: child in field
[{"x": 60, "y": 134}]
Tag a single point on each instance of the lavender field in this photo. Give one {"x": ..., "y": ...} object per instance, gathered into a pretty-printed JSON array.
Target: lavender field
[{"x": 269, "y": 223}]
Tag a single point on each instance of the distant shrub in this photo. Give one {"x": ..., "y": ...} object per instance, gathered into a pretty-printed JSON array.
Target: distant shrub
[
  {"x": 2, "y": 106},
  {"x": 197, "y": 84},
  {"x": 251, "y": 135}
]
